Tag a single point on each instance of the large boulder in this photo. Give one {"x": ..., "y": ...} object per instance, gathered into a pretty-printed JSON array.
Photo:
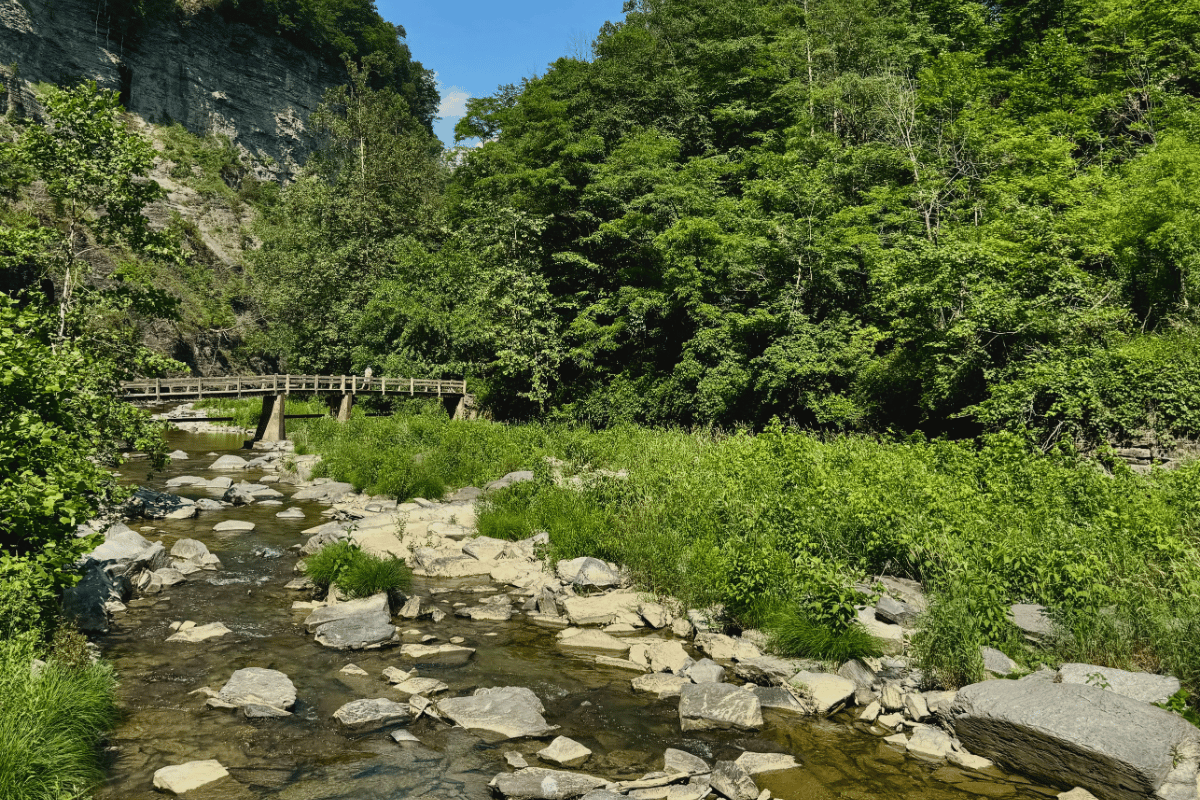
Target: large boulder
[
  {"x": 1077, "y": 735},
  {"x": 827, "y": 692},
  {"x": 126, "y": 552},
  {"x": 509, "y": 712},
  {"x": 1139, "y": 685},
  {"x": 731, "y": 781},
  {"x": 710, "y": 706},
  {"x": 535, "y": 783},
  {"x": 1032, "y": 619},
  {"x": 603, "y": 609},
  {"x": 87, "y": 602},
  {"x": 354, "y": 624},
  {"x": 324, "y": 492},
  {"x": 155, "y": 505},
  {"x": 258, "y": 686}
]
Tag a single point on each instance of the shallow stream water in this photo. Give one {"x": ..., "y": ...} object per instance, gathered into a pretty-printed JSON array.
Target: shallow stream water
[{"x": 307, "y": 756}]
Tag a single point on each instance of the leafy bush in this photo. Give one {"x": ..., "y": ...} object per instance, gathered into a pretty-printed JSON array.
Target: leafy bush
[
  {"x": 356, "y": 573},
  {"x": 51, "y": 723}
]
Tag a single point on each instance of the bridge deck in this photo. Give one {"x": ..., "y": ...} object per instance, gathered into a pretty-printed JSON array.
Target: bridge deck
[{"x": 259, "y": 385}]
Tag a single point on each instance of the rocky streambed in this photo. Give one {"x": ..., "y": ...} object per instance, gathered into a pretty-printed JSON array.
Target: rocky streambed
[{"x": 503, "y": 676}]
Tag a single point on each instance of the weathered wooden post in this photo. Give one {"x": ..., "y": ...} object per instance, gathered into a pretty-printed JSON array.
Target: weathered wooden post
[{"x": 345, "y": 406}]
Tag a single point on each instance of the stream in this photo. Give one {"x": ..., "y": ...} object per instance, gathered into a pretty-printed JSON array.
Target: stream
[{"x": 308, "y": 756}]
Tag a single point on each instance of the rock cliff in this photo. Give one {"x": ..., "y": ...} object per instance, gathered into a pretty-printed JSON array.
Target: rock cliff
[{"x": 194, "y": 68}]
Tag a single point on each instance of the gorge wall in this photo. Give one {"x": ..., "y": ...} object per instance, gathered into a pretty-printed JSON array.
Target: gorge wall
[{"x": 193, "y": 68}]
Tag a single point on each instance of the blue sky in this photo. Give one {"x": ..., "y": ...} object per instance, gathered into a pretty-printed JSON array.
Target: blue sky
[{"x": 475, "y": 46}]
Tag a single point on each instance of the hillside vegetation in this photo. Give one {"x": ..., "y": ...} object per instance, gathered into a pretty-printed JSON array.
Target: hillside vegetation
[{"x": 853, "y": 214}]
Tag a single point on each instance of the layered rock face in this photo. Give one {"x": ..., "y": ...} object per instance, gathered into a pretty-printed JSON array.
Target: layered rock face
[{"x": 209, "y": 75}]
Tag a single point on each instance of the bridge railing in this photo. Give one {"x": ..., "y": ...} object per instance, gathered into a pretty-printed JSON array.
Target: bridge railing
[{"x": 256, "y": 385}]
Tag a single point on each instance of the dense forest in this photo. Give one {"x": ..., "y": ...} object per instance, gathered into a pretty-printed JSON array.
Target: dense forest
[{"x": 854, "y": 215}]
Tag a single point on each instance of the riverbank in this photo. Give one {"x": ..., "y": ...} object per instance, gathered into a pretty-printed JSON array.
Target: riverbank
[{"x": 788, "y": 533}]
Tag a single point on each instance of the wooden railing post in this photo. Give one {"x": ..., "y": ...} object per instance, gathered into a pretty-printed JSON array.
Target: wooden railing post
[{"x": 287, "y": 384}]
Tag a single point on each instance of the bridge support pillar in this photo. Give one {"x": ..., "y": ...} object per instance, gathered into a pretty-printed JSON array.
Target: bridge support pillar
[
  {"x": 271, "y": 423},
  {"x": 343, "y": 414}
]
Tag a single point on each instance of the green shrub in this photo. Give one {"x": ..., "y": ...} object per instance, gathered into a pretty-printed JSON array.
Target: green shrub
[
  {"x": 356, "y": 573},
  {"x": 946, "y": 644},
  {"x": 51, "y": 723}
]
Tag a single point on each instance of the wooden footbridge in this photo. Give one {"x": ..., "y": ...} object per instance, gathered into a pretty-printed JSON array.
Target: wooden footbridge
[{"x": 274, "y": 389}]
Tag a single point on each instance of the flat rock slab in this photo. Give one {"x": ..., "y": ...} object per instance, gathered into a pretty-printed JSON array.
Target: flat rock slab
[
  {"x": 446, "y": 655},
  {"x": 720, "y": 647},
  {"x": 359, "y": 632},
  {"x": 506, "y": 711},
  {"x": 712, "y": 706},
  {"x": 233, "y": 525},
  {"x": 585, "y": 571},
  {"x": 733, "y": 782},
  {"x": 411, "y": 686},
  {"x": 660, "y": 684},
  {"x": 1115, "y": 746},
  {"x": 290, "y": 513},
  {"x": 373, "y": 712},
  {"x": 228, "y": 463},
  {"x": 756, "y": 763},
  {"x": 186, "y": 777},
  {"x": 374, "y": 604},
  {"x": 1138, "y": 685},
  {"x": 257, "y": 685},
  {"x": 828, "y": 692},
  {"x": 683, "y": 761},
  {"x": 593, "y": 641},
  {"x": 324, "y": 492},
  {"x": 200, "y": 633},
  {"x": 535, "y": 783},
  {"x": 564, "y": 752}
]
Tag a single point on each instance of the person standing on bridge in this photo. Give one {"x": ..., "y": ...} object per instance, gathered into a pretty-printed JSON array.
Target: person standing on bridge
[{"x": 368, "y": 373}]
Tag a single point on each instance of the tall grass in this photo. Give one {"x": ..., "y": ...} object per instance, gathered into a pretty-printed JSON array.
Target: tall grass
[
  {"x": 787, "y": 521},
  {"x": 51, "y": 723},
  {"x": 357, "y": 573}
]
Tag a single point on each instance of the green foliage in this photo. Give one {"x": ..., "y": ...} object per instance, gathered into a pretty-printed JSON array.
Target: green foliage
[
  {"x": 52, "y": 722},
  {"x": 798, "y": 636},
  {"x": 356, "y": 573},
  {"x": 246, "y": 413},
  {"x": 780, "y": 527},
  {"x": 210, "y": 164},
  {"x": 946, "y": 646}
]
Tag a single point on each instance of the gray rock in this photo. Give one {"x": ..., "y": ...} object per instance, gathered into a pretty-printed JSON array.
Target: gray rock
[
  {"x": 1115, "y": 746},
  {"x": 585, "y": 571},
  {"x": 359, "y": 632},
  {"x": 237, "y": 496},
  {"x": 997, "y": 663},
  {"x": 125, "y": 552},
  {"x": 228, "y": 463},
  {"x": 709, "y": 706},
  {"x": 465, "y": 494},
  {"x": 858, "y": 673},
  {"x": 374, "y": 604},
  {"x": 520, "y": 476},
  {"x": 506, "y": 711},
  {"x": 564, "y": 752},
  {"x": 182, "y": 778},
  {"x": 154, "y": 505},
  {"x": 766, "y": 670},
  {"x": 1032, "y": 619},
  {"x": 189, "y": 550},
  {"x": 444, "y": 655},
  {"x": 177, "y": 455},
  {"x": 827, "y": 692},
  {"x": 929, "y": 743},
  {"x": 778, "y": 698},
  {"x": 896, "y": 612},
  {"x": 324, "y": 492},
  {"x": 403, "y": 736},
  {"x": 515, "y": 760},
  {"x": 87, "y": 602},
  {"x": 683, "y": 761},
  {"x": 705, "y": 671},
  {"x": 731, "y": 781},
  {"x": 1139, "y": 685},
  {"x": 535, "y": 783},
  {"x": 660, "y": 684},
  {"x": 669, "y": 656},
  {"x": 263, "y": 711},
  {"x": 411, "y": 608},
  {"x": 257, "y": 685},
  {"x": 546, "y": 604},
  {"x": 758, "y": 763},
  {"x": 361, "y": 714}
]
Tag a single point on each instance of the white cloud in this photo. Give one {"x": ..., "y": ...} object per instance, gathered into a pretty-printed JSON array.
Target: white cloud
[{"x": 454, "y": 103}]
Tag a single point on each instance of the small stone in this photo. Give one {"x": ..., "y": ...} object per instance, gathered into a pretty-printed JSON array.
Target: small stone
[
  {"x": 683, "y": 761},
  {"x": 660, "y": 684},
  {"x": 231, "y": 525},
  {"x": 186, "y": 777},
  {"x": 354, "y": 669},
  {"x": 915, "y": 704},
  {"x": 1078, "y": 793},
  {"x": 515, "y": 760},
  {"x": 871, "y": 712},
  {"x": 996, "y": 662},
  {"x": 403, "y": 735},
  {"x": 891, "y": 698},
  {"x": 375, "y": 711},
  {"x": 565, "y": 752},
  {"x": 669, "y": 657},
  {"x": 961, "y": 758},
  {"x": 897, "y": 738},
  {"x": 705, "y": 671}
]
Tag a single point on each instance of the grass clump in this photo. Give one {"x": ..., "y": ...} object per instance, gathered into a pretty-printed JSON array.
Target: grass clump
[
  {"x": 52, "y": 721},
  {"x": 357, "y": 573},
  {"x": 797, "y": 636}
]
